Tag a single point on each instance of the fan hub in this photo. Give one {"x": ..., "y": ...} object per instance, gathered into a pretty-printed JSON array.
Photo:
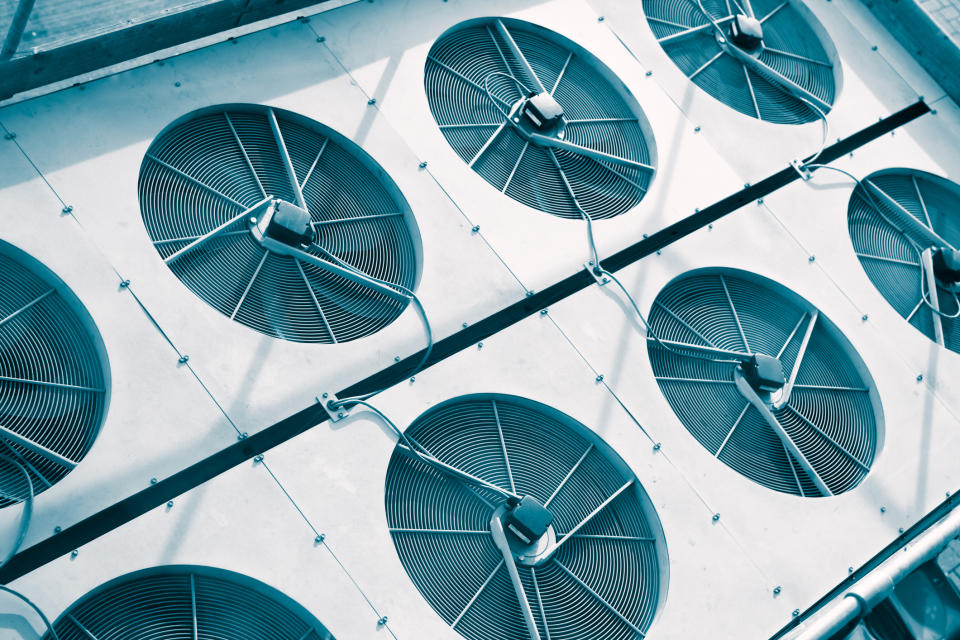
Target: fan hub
[
  {"x": 747, "y": 33},
  {"x": 765, "y": 374},
  {"x": 538, "y": 113},
  {"x": 282, "y": 222},
  {"x": 531, "y": 554}
]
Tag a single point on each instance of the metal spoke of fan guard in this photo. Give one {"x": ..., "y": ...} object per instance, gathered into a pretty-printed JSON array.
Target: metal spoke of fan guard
[
  {"x": 904, "y": 231},
  {"x": 222, "y": 191},
  {"x": 173, "y": 602},
  {"x": 771, "y": 67},
  {"x": 541, "y": 95},
  {"x": 467, "y": 556},
  {"x": 52, "y": 379},
  {"x": 793, "y": 413}
]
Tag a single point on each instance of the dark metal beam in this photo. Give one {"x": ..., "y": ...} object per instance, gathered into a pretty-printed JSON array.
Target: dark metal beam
[
  {"x": 103, "y": 49},
  {"x": 155, "y": 495}
]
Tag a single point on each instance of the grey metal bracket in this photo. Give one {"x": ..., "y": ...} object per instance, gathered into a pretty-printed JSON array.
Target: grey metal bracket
[
  {"x": 805, "y": 174},
  {"x": 600, "y": 278},
  {"x": 336, "y": 415}
]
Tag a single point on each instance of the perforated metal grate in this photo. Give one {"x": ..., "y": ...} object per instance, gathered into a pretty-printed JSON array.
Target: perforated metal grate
[
  {"x": 53, "y": 379},
  {"x": 183, "y": 602},
  {"x": 604, "y": 583},
  {"x": 825, "y": 434},
  {"x": 208, "y": 168},
  {"x": 607, "y": 165},
  {"x": 890, "y": 252},
  {"x": 791, "y": 48}
]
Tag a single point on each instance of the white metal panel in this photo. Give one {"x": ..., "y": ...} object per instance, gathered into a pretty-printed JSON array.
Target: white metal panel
[
  {"x": 539, "y": 247},
  {"x": 90, "y": 142},
  {"x": 804, "y": 544},
  {"x": 875, "y": 83},
  {"x": 707, "y": 569}
]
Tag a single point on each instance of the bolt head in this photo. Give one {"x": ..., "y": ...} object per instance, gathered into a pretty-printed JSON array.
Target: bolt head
[
  {"x": 883, "y": 509},
  {"x": 57, "y": 529},
  {"x": 320, "y": 538},
  {"x": 919, "y": 377},
  {"x": 475, "y": 228},
  {"x": 74, "y": 553},
  {"x": 170, "y": 504},
  {"x": 601, "y": 19},
  {"x": 716, "y": 517},
  {"x": 776, "y": 591},
  {"x": 543, "y": 312},
  {"x": 412, "y": 379},
  {"x": 321, "y": 39},
  {"x": 796, "y": 612},
  {"x": 423, "y": 165},
  {"x": 900, "y": 530},
  {"x": 67, "y": 209},
  {"x": 696, "y": 129},
  {"x": 124, "y": 284},
  {"x": 339, "y": 415},
  {"x": 811, "y": 258},
  {"x": 864, "y": 317},
  {"x": 177, "y": 83},
  {"x": 396, "y": 358},
  {"x": 326, "y": 395},
  {"x": 479, "y": 345},
  {"x": 656, "y": 447},
  {"x": 649, "y": 73},
  {"x": 372, "y": 101},
  {"x": 600, "y": 378},
  {"x": 153, "y": 481}
]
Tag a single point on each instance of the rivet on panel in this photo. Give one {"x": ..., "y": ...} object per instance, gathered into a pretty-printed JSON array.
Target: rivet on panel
[
  {"x": 475, "y": 228},
  {"x": 153, "y": 481},
  {"x": 601, "y": 19},
  {"x": 67, "y": 209},
  {"x": 760, "y": 202},
  {"x": 57, "y": 529},
  {"x": 177, "y": 83},
  {"x": 74, "y": 554},
  {"x": 864, "y": 317},
  {"x": 320, "y": 538},
  {"x": 184, "y": 359},
  {"x": 321, "y": 39},
  {"x": 716, "y": 517},
  {"x": 599, "y": 378},
  {"x": 124, "y": 284},
  {"x": 656, "y": 447},
  {"x": 649, "y": 73},
  {"x": 811, "y": 258},
  {"x": 696, "y": 129},
  {"x": 170, "y": 504},
  {"x": 883, "y": 509},
  {"x": 464, "y": 325},
  {"x": 10, "y": 135},
  {"x": 372, "y": 101},
  {"x": 919, "y": 377},
  {"x": 479, "y": 345},
  {"x": 242, "y": 436},
  {"x": 423, "y": 165},
  {"x": 412, "y": 379},
  {"x": 796, "y": 612},
  {"x": 543, "y": 312},
  {"x": 776, "y": 591},
  {"x": 258, "y": 459},
  {"x": 849, "y": 569},
  {"x": 382, "y": 621},
  {"x": 900, "y": 529}
]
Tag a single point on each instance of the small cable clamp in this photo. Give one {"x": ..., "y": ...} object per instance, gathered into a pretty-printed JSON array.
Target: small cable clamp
[
  {"x": 801, "y": 168},
  {"x": 596, "y": 273},
  {"x": 329, "y": 402}
]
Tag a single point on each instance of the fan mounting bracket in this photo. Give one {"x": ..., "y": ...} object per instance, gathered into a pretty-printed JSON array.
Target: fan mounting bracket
[
  {"x": 593, "y": 271},
  {"x": 331, "y": 404}
]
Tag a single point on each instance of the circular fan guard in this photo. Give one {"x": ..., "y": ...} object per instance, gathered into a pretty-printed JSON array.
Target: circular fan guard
[
  {"x": 791, "y": 48},
  {"x": 606, "y": 166},
  {"x": 178, "y": 602},
  {"x": 606, "y": 582},
  {"x": 53, "y": 378},
  {"x": 212, "y": 166},
  {"x": 891, "y": 256},
  {"x": 828, "y": 433}
]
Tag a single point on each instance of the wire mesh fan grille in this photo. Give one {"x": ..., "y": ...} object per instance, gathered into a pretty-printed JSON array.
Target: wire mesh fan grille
[
  {"x": 206, "y": 170},
  {"x": 891, "y": 258},
  {"x": 599, "y": 116},
  {"x": 791, "y": 47},
  {"x": 52, "y": 383},
  {"x": 829, "y": 416},
  {"x": 604, "y": 584},
  {"x": 186, "y": 604}
]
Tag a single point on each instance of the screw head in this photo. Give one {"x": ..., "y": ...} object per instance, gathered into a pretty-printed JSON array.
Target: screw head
[
  {"x": 919, "y": 377},
  {"x": 177, "y": 83},
  {"x": 153, "y": 481},
  {"x": 796, "y": 612},
  {"x": 601, "y": 19},
  {"x": 413, "y": 379},
  {"x": 74, "y": 554},
  {"x": 124, "y": 284},
  {"x": 170, "y": 504},
  {"x": 325, "y": 395},
  {"x": 10, "y": 135},
  {"x": 864, "y": 317},
  {"x": 883, "y": 509},
  {"x": 696, "y": 129},
  {"x": 259, "y": 458},
  {"x": 242, "y": 436},
  {"x": 57, "y": 529},
  {"x": 464, "y": 325},
  {"x": 321, "y": 39},
  {"x": 339, "y": 415},
  {"x": 184, "y": 359},
  {"x": 600, "y": 378},
  {"x": 543, "y": 312},
  {"x": 656, "y": 447},
  {"x": 649, "y": 73},
  {"x": 716, "y": 517},
  {"x": 320, "y": 538},
  {"x": 849, "y": 569},
  {"x": 776, "y": 591},
  {"x": 475, "y": 228},
  {"x": 710, "y": 227},
  {"x": 396, "y": 358},
  {"x": 900, "y": 530},
  {"x": 479, "y": 345},
  {"x": 372, "y": 101},
  {"x": 382, "y": 621},
  {"x": 423, "y": 165},
  {"x": 811, "y": 258},
  {"x": 67, "y": 209},
  {"x": 873, "y": 48}
]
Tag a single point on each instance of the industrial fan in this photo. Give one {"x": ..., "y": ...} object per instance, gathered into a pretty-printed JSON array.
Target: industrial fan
[
  {"x": 764, "y": 58},
  {"x": 53, "y": 380},
  {"x": 764, "y": 382},
  {"x": 905, "y": 230},
  {"x": 177, "y": 602},
  {"x": 539, "y": 118},
  {"x": 279, "y": 223},
  {"x": 574, "y": 552}
]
